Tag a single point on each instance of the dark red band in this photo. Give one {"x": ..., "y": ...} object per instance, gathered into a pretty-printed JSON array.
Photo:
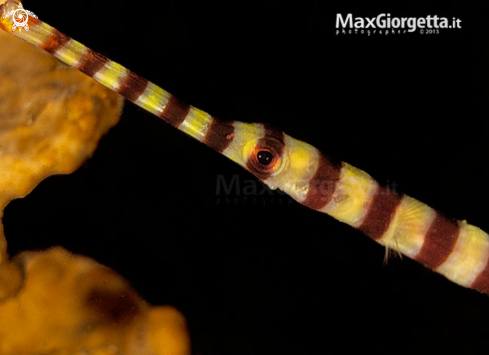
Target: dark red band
[
  {"x": 439, "y": 241},
  {"x": 56, "y": 41},
  {"x": 380, "y": 213},
  {"x": 92, "y": 62},
  {"x": 175, "y": 111},
  {"x": 481, "y": 282},
  {"x": 132, "y": 86},
  {"x": 219, "y": 134},
  {"x": 323, "y": 183}
]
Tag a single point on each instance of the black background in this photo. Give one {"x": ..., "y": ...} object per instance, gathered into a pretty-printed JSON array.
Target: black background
[{"x": 257, "y": 273}]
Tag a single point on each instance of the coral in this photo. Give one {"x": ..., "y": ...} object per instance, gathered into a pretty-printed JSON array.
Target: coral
[
  {"x": 72, "y": 305},
  {"x": 54, "y": 302},
  {"x": 51, "y": 118}
]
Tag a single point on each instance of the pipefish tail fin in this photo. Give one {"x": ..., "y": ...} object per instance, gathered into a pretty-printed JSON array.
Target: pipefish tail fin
[{"x": 453, "y": 248}]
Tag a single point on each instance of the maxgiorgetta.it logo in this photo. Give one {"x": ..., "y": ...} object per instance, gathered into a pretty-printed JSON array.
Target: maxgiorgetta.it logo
[
  {"x": 385, "y": 24},
  {"x": 20, "y": 18}
]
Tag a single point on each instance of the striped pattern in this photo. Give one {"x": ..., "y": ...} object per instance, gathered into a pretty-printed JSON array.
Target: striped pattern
[
  {"x": 378, "y": 217},
  {"x": 453, "y": 248},
  {"x": 130, "y": 85},
  {"x": 56, "y": 41}
]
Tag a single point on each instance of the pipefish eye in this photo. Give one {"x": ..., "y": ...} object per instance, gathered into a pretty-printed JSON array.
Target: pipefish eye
[{"x": 265, "y": 158}]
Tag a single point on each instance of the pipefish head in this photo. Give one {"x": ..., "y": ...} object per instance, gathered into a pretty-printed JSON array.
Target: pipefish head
[{"x": 275, "y": 158}]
